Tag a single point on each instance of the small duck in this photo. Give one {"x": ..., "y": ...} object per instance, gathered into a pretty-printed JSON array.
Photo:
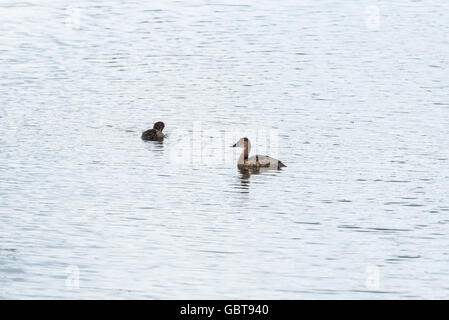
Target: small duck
[
  {"x": 257, "y": 161},
  {"x": 154, "y": 134}
]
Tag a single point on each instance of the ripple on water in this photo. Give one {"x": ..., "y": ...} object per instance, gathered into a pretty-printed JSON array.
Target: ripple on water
[{"x": 366, "y": 150}]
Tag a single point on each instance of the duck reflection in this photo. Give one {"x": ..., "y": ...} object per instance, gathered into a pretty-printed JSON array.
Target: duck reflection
[
  {"x": 157, "y": 146},
  {"x": 245, "y": 175}
]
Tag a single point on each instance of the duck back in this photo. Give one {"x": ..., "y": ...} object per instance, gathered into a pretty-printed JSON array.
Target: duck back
[{"x": 152, "y": 135}]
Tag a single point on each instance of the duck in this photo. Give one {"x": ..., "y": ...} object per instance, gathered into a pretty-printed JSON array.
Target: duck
[
  {"x": 154, "y": 134},
  {"x": 257, "y": 161}
]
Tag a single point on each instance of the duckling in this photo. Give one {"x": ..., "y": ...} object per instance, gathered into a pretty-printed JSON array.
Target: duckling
[
  {"x": 256, "y": 161},
  {"x": 154, "y": 134}
]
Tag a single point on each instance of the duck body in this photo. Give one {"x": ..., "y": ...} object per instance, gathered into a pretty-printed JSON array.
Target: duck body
[
  {"x": 154, "y": 134},
  {"x": 257, "y": 161}
]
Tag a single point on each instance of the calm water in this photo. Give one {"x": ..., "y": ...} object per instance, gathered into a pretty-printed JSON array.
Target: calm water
[{"x": 355, "y": 96}]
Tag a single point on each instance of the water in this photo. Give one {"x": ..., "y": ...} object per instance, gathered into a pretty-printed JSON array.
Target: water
[{"x": 355, "y": 96}]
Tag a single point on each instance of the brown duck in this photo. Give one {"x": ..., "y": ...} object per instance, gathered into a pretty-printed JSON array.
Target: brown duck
[
  {"x": 256, "y": 161},
  {"x": 154, "y": 134}
]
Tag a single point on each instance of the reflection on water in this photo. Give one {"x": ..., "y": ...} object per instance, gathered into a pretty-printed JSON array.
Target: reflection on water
[
  {"x": 89, "y": 210},
  {"x": 244, "y": 180},
  {"x": 245, "y": 175},
  {"x": 157, "y": 145}
]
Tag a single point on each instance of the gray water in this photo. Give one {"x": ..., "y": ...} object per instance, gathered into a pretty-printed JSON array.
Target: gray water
[{"x": 355, "y": 97}]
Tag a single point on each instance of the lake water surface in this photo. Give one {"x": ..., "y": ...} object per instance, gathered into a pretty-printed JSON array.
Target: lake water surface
[{"x": 351, "y": 95}]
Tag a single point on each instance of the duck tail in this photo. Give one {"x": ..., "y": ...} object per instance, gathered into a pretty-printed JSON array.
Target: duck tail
[{"x": 280, "y": 164}]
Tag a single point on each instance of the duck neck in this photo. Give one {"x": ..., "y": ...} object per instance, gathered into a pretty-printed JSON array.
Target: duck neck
[{"x": 245, "y": 153}]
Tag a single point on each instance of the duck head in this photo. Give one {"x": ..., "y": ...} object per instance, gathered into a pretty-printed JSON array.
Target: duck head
[
  {"x": 242, "y": 143},
  {"x": 159, "y": 126}
]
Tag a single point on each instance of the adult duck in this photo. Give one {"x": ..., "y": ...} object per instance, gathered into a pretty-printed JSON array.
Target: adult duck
[
  {"x": 154, "y": 134},
  {"x": 257, "y": 161}
]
